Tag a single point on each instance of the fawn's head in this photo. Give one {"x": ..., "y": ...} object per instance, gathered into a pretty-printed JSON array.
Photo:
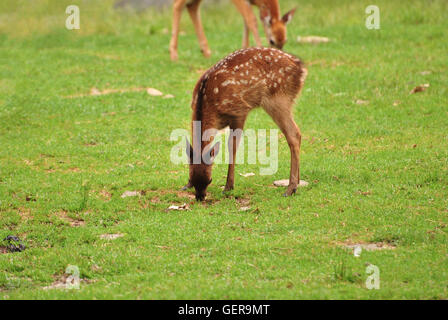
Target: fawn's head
[
  {"x": 276, "y": 28},
  {"x": 201, "y": 168}
]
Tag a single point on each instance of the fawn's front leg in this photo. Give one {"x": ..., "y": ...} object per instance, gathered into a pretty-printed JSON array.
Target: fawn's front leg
[
  {"x": 187, "y": 186},
  {"x": 236, "y": 130}
]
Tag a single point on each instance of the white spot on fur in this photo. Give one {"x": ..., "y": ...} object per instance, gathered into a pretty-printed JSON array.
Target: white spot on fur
[{"x": 227, "y": 82}]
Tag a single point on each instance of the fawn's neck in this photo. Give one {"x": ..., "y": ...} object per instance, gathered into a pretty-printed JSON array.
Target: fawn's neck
[
  {"x": 202, "y": 130},
  {"x": 268, "y": 7}
]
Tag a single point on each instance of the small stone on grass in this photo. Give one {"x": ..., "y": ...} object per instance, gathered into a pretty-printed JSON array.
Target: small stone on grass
[{"x": 285, "y": 183}]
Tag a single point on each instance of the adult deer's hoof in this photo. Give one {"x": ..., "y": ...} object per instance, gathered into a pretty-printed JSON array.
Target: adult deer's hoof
[
  {"x": 207, "y": 53},
  {"x": 173, "y": 55}
]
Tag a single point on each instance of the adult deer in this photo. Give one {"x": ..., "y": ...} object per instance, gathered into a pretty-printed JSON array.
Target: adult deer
[
  {"x": 274, "y": 26},
  {"x": 225, "y": 94}
]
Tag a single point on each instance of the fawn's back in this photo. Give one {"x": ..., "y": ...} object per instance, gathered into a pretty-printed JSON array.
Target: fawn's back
[{"x": 246, "y": 79}]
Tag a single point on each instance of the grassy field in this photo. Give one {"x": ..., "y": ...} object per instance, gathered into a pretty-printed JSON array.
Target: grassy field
[{"x": 376, "y": 158}]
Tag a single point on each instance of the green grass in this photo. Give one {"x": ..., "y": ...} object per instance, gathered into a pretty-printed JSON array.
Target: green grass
[{"x": 378, "y": 172}]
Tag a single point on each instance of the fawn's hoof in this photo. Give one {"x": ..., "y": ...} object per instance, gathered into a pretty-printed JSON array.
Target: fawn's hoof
[
  {"x": 289, "y": 192},
  {"x": 186, "y": 187}
]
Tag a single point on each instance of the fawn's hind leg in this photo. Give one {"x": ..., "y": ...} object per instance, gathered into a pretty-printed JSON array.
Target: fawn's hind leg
[
  {"x": 294, "y": 138},
  {"x": 281, "y": 113}
]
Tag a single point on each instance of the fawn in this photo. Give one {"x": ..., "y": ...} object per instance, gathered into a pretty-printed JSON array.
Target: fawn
[
  {"x": 274, "y": 26},
  {"x": 223, "y": 97}
]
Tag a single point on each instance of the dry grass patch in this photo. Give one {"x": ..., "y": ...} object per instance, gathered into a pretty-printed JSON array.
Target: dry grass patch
[
  {"x": 368, "y": 246},
  {"x": 73, "y": 222}
]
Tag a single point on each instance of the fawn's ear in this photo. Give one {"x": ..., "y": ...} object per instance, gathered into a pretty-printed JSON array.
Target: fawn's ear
[
  {"x": 211, "y": 154},
  {"x": 189, "y": 151},
  {"x": 288, "y": 16}
]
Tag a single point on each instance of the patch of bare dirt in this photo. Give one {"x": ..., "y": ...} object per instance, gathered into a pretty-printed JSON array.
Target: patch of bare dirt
[
  {"x": 244, "y": 204},
  {"x": 361, "y": 102},
  {"x": 96, "y": 92},
  {"x": 127, "y": 194},
  {"x": 368, "y": 246},
  {"x": 77, "y": 223},
  {"x": 364, "y": 193},
  {"x": 185, "y": 194},
  {"x": 63, "y": 282},
  {"x": 155, "y": 200},
  {"x": 243, "y": 201},
  {"x": 105, "y": 195},
  {"x": 73, "y": 222},
  {"x": 164, "y": 247},
  {"x": 111, "y": 236},
  {"x": 25, "y": 214}
]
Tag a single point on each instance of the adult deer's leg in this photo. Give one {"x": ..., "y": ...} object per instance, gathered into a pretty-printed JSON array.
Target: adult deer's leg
[
  {"x": 249, "y": 19},
  {"x": 282, "y": 115},
  {"x": 178, "y": 6},
  {"x": 236, "y": 130},
  {"x": 246, "y": 36},
  {"x": 193, "y": 10}
]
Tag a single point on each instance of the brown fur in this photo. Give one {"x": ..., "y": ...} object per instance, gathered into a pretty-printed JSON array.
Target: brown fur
[
  {"x": 274, "y": 25},
  {"x": 227, "y": 92}
]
